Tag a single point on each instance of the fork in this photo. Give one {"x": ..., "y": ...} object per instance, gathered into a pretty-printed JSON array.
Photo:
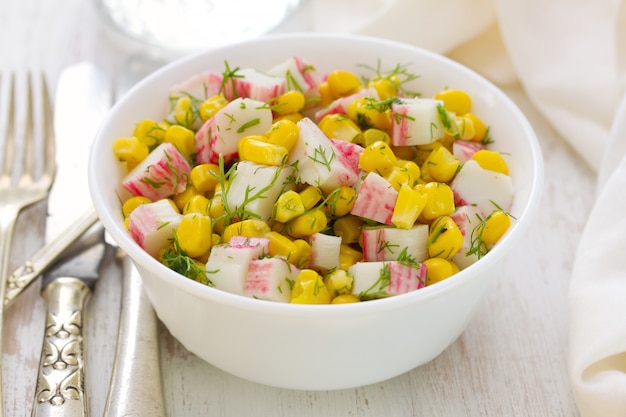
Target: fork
[{"x": 27, "y": 182}]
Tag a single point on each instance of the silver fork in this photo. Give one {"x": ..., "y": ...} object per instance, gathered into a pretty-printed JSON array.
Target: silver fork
[{"x": 26, "y": 180}]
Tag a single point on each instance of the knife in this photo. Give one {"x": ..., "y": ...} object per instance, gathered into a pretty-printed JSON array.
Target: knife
[{"x": 66, "y": 287}]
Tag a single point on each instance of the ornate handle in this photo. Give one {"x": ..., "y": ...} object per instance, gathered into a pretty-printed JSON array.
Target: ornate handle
[
  {"x": 61, "y": 381},
  {"x": 23, "y": 276},
  {"x": 136, "y": 385}
]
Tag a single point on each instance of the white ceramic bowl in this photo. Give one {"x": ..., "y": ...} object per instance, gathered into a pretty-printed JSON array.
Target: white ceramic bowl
[{"x": 316, "y": 347}]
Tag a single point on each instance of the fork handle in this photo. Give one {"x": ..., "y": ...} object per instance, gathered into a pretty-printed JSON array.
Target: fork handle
[{"x": 60, "y": 387}]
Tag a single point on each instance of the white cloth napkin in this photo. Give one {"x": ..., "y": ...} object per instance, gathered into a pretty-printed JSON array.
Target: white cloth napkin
[{"x": 570, "y": 58}]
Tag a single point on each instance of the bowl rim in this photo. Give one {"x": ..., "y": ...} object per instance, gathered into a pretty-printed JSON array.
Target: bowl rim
[{"x": 463, "y": 277}]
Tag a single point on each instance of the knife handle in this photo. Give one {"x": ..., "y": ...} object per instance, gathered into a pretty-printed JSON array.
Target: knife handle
[
  {"x": 136, "y": 385},
  {"x": 60, "y": 387}
]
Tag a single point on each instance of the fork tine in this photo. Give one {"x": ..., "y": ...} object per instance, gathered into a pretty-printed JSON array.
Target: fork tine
[
  {"x": 7, "y": 166},
  {"x": 28, "y": 156},
  {"x": 49, "y": 163}
]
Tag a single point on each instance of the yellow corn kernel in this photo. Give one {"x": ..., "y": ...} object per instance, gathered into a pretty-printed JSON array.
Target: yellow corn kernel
[
  {"x": 442, "y": 165},
  {"x": 343, "y": 83},
  {"x": 126, "y": 223},
  {"x": 342, "y": 200},
  {"x": 439, "y": 200},
  {"x": 288, "y": 206},
  {"x": 197, "y": 204},
  {"x": 339, "y": 126},
  {"x": 309, "y": 288},
  {"x": 181, "y": 199},
  {"x": 254, "y": 150},
  {"x": 289, "y": 102},
  {"x": 130, "y": 149},
  {"x": 310, "y": 196},
  {"x": 480, "y": 130},
  {"x": 409, "y": 205},
  {"x": 149, "y": 132},
  {"x": 212, "y": 105},
  {"x": 182, "y": 138},
  {"x": 183, "y": 111},
  {"x": 400, "y": 176},
  {"x": 217, "y": 211},
  {"x": 377, "y": 157},
  {"x": 491, "y": 160},
  {"x": 374, "y": 135},
  {"x": 366, "y": 113},
  {"x": 409, "y": 166},
  {"x": 338, "y": 282},
  {"x": 284, "y": 133},
  {"x": 292, "y": 117},
  {"x": 455, "y": 101},
  {"x": 304, "y": 253},
  {"x": 494, "y": 226},
  {"x": 132, "y": 203},
  {"x": 348, "y": 256},
  {"x": 444, "y": 238},
  {"x": 465, "y": 128},
  {"x": 205, "y": 177},
  {"x": 326, "y": 96},
  {"x": 281, "y": 245},
  {"x": 438, "y": 269},
  {"x": 246, "y": 228},
  {"x": 194, "y": 234},
  {"x": 348, "y": 227},
  {"x": 307, "y": 224},
  {"x": 386, "y": 87},
  {"x": 345, "y": 299}
]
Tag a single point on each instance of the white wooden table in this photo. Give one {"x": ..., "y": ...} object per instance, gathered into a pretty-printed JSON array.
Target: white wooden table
[{"x": 511, "y": 360}]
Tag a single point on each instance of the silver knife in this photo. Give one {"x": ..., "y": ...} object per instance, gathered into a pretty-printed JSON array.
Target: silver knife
[{"x": 66, "y": 287}]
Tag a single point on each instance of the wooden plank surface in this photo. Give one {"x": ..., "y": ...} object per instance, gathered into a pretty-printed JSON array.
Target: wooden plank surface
[{"x": 511, "y": 360}]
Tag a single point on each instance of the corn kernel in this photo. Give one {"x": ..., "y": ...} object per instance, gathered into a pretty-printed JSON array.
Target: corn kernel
[
  {"x": 212, "y": 105},
  {"x": 409, "y": 166},
  {"x": 348, "y": 228},
  {"x": 400, "y": 176},
  {"x": 442, "y": 165},
  {"x": 374, "y": 135},
  {"x": 348, "y": 256},
  {"x": 343, "y": 83},
  {"x": 494, "y": 226},
  {"x": 480, "y": 130},
  {"x": 366, "y": 113},
  {"x": 338, "y": 282},
  {"x": 292, "y": 117},
  {"x": 194, "y": 234},
  {"x": 439, "y": 200},
  {"x": 149, "y": 132},
  {"x": 183, "y": 111},
  {"x": 247, "y": 228},
  {"x": 444, "y": 238},
  {"x": 289, "y": 102},
  {"x": 284, "y": 133},
  {"x": 132, "y": 203},
  {"x": 409, "y": 205},
  {"x": 281, "y": 245},
  {"x": 217, "y": 211},
  {"x": 342, "y": 200},
  {"x": 288, "y": 206},
  {"x": 339, "y": 126},
  {"x": 455, "y": 101},
  {"x": 326, "y": 96},
  {"x": 307, "y": 224},
  {"x": 254, "y": 150},
  {"x": 310, "y": 196},
  {"x": 197, "y": 204},
  {"x": 386, "y": 87},
  {"x": 130, "y": 149},
  {"x": 465, "y": 128},
  {"x": 204, "y": 177},
  {"x": 182, "y": 138},
  {"x": 491, "y": 160},
  {"x": 304, "y": 253},
  {"x": 309, "y": 288},
  {"x": 438, "y": 269},
  {"x": 377, "y": 157},
  {"x": 345, "y": 299},
  {"x": 181, "y": 199}
]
